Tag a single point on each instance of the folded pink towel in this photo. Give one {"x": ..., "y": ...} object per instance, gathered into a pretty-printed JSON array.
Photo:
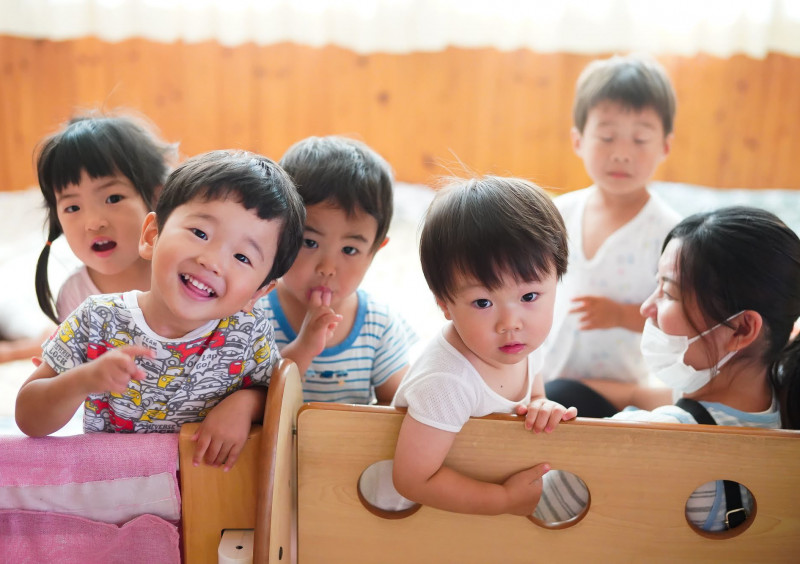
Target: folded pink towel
[
  {"x": 84, "y": 458},
  {"x": 89, "y": 498},
  {"x": 32, "y": 537}
]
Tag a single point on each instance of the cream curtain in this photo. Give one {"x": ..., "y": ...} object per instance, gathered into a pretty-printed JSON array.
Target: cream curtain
[{"x": 680, "y": 27}]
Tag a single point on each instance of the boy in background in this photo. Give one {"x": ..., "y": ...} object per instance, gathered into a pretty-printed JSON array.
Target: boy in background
[
  {"x": 623, "y": 118},
  {"x": 348, "y": 347}
]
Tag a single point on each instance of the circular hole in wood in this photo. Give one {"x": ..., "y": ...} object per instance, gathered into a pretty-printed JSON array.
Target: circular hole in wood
[
  {"x": 376, "y": 492},
  {"x": 707, "y": 510},
  {"x": 565, "y": 500}
]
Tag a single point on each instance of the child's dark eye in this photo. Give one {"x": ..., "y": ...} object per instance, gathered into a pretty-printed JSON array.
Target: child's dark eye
[
  {"x": 482, "y": 303},
  {"x": 241, "y": 258},
  {"x": 350, "y": 251},
  {"x": 113, "y": 199},
  {"x": 71, "y": 209},
  {"x": 530, "y": 297},
  {"x": 198, "y": 233},
  {"x": 310, "y": 244}
]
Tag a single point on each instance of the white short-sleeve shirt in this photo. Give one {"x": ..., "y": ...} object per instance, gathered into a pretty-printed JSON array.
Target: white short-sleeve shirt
[
  {"x": 443, "y": 390},
  {"x": 623, "y": 269}
]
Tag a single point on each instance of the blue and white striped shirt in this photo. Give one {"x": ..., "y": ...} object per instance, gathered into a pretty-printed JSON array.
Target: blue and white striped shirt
[{"x": 349, "y": 372}]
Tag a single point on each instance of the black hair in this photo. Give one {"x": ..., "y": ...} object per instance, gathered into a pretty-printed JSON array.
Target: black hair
[
  {"x": 345, "y": 172},
  {"x": 102, "y": 145},
  {"x": 256, "y": 182},
  {"x": 634, "y": 81},
  {"x": 484, "y": 227},
  {"x": 742, "y": 258}
]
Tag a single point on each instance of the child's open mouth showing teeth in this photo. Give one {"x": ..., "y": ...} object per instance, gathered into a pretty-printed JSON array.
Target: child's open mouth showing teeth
[
  {"x": 102, "y": 246},
  {"x": 188, "y": 280}
]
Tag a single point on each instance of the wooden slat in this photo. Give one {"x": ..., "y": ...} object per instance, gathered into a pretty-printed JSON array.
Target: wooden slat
[{"x": 277, "y": 485}]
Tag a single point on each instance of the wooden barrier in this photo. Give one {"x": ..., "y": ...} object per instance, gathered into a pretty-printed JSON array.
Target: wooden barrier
[
  {"x": 214, "y": 500},
  {"x": 639, "y": 477}
]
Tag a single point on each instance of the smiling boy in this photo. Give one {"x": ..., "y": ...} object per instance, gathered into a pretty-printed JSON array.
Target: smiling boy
[{"x": 190, "y": 349}]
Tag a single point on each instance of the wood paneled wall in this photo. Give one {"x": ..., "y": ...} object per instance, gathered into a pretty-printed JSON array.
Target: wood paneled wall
[{"x": 427, "y": 113}]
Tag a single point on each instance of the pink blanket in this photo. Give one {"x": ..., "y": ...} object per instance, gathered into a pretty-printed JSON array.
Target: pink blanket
[{"x": 89, "y": 498}]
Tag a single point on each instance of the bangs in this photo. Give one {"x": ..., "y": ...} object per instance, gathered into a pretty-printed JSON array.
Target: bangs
[
  {"x": 488, "y": 228},
  {"x": 630, "y": 90},
  {"x": 80, "y": 148},
  {"x": 488, "y": 255}
]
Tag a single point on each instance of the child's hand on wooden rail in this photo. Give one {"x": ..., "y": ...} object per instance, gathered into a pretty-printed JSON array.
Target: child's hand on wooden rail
[
  {"x": 542, "y": 414},
  {"x": 222, "y": 434}
]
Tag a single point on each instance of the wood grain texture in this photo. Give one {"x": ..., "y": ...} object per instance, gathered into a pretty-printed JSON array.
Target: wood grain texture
[
  {"x": 639, "y": 477},
  {"x": 427, "y": 113},
  {"x": 277, "y": 484},
  {"x": 213, "y": 500}
]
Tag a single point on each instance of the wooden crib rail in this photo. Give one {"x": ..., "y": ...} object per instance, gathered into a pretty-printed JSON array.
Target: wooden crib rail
[
  {"x": 213, "y": 500},
  {"x": 277, "y": 487},
  {"x": 639, "y": 476}
]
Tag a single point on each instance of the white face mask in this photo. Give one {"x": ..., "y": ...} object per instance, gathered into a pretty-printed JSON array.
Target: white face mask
[{"x": 663, "y": 355}]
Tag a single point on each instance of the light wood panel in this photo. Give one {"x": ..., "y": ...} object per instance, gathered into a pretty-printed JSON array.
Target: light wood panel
[
  {"x": 639, "y": 477},
  {"x": 427, "y": 113},
  {"x": 213, "y": 500}
]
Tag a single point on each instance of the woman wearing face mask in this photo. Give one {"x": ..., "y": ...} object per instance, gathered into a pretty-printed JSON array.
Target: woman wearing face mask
[{"x": 718, "y": 333}]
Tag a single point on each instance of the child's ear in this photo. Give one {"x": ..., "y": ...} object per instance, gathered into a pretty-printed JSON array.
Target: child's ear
[
  {"x": 443, "y": 306},
  {"x": 260, "y": 293},
  {"x": 668, "y": 144},
  {"x": 576, "y": 137},
  {"x": 147, "y": 241},
  {"x": 378, "y": 248}
]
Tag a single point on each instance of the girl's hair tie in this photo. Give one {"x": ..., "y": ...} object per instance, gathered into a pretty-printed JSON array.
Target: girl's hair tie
[{"x": 48, "y": 243}]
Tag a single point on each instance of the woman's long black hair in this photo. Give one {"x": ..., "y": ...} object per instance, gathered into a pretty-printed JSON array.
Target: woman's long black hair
[{"x": 739, "y": 258}]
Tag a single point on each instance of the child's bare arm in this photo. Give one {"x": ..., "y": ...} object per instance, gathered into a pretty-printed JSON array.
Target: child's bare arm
[
  {"x": 385, "y": 392},
  {"x": 420, "y": 476},
  {"x": 597, "y": 312},
  {"x": 222, "y": 434},
  {"x": 317, "y": 328},
  {"x": 47, "y": 401}
]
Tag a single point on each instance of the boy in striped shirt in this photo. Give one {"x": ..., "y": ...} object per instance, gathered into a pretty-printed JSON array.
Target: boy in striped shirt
[{"x": 348, "y": 347}]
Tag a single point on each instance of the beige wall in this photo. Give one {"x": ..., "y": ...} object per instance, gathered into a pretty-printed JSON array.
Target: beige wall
[{"x": 501, "y": 112}]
